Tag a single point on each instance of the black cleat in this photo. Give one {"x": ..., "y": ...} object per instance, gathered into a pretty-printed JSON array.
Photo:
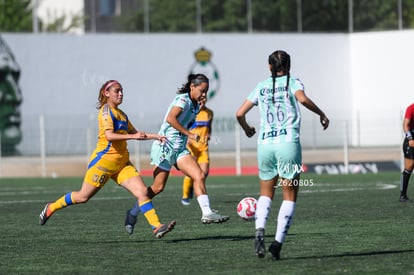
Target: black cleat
[
  {"x": 274, "y": 249},
  {"x": 259, "y": 245},
  {"x": 43, "y": 215},
  {"x": 404, "y": 198}
]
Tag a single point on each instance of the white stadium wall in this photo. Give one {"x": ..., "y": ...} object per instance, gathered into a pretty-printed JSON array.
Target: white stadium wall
[
  {"x": 351, "y": 77},
  {"x": 381, "y": 73}
]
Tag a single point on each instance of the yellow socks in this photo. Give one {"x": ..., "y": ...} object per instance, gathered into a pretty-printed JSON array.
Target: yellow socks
[
  {"x": 187, "y": 187},
  {"x": 150, "y": 214},
  {"x": 60, "y": 203}
]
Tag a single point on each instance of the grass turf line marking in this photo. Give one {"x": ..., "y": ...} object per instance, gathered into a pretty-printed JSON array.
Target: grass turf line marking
[{"x": 378, "y": 186}]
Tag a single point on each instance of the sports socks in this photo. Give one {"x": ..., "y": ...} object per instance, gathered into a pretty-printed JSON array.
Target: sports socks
[
  {"x": 148, "y": 210},
  {"x": 187, "y": 186},
  {"x": 204, "y": 203},
  {"x": 135, "y": 210},
  {"x": 262, "y": 211},
  {"x": 284, "y": 220},
  {"x": 62, "y": 202},
  {"x": 404, "y": 179}
]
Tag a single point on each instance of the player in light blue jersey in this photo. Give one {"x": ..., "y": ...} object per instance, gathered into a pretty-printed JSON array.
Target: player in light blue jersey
[
  {"x": 279, "y": 152},
  {"x": 180, "y": 116}
]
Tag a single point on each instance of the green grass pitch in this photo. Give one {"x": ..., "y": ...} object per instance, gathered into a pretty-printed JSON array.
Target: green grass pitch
[{"x": 350, "y": 224}]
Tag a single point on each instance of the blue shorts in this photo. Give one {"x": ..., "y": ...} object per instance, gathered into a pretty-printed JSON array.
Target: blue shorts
[
  {"x": 279, "y": 159},
  {"x": 163, "y": 156}
]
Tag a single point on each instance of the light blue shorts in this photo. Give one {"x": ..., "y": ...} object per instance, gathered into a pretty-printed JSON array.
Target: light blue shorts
[
  {"x": 279, "y": 159},
  {"x": 163, "y": 156}
]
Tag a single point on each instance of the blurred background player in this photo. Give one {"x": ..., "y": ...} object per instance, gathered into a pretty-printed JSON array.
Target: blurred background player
[
  {"x": 202, "y": 127},
  {"x": 110, "y": 160},
  {"x": 408, "y": 151},
  {"x": 178, "y": 119},
  {"x": 279, "y": 151},
  {"x": 10, "y": 101}
]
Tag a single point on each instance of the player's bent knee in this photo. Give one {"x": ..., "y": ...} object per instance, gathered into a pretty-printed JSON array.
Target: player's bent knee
[{"x": 200, "y": 177}]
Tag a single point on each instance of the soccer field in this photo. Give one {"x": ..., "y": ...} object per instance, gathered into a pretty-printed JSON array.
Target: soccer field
[{"x": 343, "y": 225}]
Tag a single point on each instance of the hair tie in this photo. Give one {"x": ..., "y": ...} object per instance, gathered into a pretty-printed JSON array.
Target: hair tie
[{"x": 107, "y": 86}]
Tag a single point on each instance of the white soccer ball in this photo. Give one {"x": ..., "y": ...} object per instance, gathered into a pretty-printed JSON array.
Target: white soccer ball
[{"x": 246, "y": 208}]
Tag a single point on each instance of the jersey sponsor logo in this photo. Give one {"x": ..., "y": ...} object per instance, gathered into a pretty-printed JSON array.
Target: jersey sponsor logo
[
  {"x": 265, "y": 91},
  {"x": 274, "y": 133}
]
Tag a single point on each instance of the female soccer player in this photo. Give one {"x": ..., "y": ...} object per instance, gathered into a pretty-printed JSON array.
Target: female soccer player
[
  {"x": 178, "y": 119},
  {"x": 408, "y": 151},
  {"x": 201, "y": 127},
  {"x": 110, "y": 160},
  {"x": 279, "y": 152}
]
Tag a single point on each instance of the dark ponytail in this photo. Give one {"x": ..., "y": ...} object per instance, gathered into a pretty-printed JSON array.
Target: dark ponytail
[
  {"x": 280, "y": 61},
  {"x": 272, "y": 62},
  {"x": 195, "y": 79}
]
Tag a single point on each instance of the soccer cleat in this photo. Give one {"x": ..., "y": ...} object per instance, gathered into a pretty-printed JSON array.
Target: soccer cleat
[
  {"x": 130, "y": 221},
  {"x": 214, "y": 217},
  {"x": 163, "y": 229},
  {"x": 404, "y": 198},
  {"x": 259, "y": 245},
  {"x": 43, "y": 215},
  {"x": 274, "y": 249},
  {"x": 185, "y": 201}
]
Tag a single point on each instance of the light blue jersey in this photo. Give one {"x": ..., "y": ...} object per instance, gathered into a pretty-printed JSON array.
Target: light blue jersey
[
  {"x": 279, "y": 111},
  {"x": 186, "y": 118},
  {"x": 164, "y": 155}
]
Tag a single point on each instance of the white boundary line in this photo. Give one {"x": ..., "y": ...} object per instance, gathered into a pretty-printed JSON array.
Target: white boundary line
[{"x": 378, "y": 186}]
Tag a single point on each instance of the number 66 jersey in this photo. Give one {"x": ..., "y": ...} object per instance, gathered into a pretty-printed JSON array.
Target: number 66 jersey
[{"x": 279, "y": 107}]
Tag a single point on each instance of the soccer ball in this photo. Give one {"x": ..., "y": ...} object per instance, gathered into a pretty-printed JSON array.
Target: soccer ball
[{"x": 246, "y": 208}]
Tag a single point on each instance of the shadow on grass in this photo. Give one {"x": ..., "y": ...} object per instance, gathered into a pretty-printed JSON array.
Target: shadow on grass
[
  {"x": 354, "y": 254},
  {"x": 167, "y": 240},
  {"x": 219, "y": 238},
  {"x": 213, "y": 238}
]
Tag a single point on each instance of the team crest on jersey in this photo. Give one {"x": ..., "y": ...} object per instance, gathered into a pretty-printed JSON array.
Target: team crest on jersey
[{"x": 203, "y": 65}]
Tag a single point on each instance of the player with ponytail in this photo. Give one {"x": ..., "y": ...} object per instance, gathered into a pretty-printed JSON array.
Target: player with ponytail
[
  {"x": 110, "y": 160},
  {"x": 176, "y": 126},
  {"x": 279, "y": 151}
]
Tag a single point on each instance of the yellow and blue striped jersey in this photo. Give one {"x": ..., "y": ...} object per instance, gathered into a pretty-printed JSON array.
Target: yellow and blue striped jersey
[
  {"x": 202, "y": 127},
  {"x": 116, "y": 120}
]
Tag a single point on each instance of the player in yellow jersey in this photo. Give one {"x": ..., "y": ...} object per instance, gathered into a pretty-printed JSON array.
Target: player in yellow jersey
[
  {"x": 110, "y": 160},
  {"x": 199, "y": 149}
]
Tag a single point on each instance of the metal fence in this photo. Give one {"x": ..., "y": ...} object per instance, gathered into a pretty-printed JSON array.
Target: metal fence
[
  {"x": 77, "y": 134},
  {"x": 60, "y": 145}
]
